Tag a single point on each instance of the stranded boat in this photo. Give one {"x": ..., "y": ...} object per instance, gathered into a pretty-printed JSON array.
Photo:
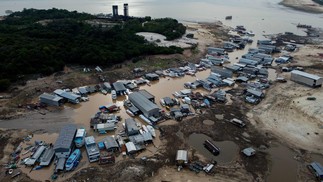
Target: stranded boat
[
  {"x": 151, "y": 130},
  {"x": 73, "y": 160},
  {"x": 211, "y": 147},
  {"x": 80, "y": 137}
]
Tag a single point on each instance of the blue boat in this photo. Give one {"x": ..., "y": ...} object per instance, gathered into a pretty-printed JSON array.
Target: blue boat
[{"x": 73, "y": 160}]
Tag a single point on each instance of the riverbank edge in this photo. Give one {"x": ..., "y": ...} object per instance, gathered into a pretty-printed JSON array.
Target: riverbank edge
[{"x": 298, "y": 7}]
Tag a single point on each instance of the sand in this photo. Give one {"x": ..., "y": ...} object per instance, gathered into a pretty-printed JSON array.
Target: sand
[{"x": 303, "y": 5}]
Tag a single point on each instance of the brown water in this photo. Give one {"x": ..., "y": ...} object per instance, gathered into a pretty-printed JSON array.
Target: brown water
[
  {"x": 284, "y": 166},
  {"x": 228, "y": 149}
]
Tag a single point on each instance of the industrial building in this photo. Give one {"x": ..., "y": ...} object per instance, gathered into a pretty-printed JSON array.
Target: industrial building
[
  {"x": 51, "y": 100},
  {"x": 148, "y": 95},
  {"x": 306, "y": 78},
  {"x": 147, "y": 107},
  {"x": 64, "y": 143}
]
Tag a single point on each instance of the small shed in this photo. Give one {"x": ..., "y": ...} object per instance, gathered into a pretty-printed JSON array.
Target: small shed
[
  {"x": 181, "y": 157},
  {"x": 249, "y": 151},
  {"x": 168, "y": 101},
  {"x": 51, "y": 100},
  {"x": 111, "y": 144},
  {"x": 83, "y": 90}
]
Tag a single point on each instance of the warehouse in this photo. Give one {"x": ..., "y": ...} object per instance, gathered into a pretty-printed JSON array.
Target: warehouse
[
  {"x": 306, "y": 78},
  {"x": 148, "y": 95},
  {"x": 50, "y": 100},
  {"x": 147, "y": 107},
  {"x": 64, "y": 143}
]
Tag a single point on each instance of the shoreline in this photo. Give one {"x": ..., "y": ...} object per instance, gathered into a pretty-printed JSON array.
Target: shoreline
[{"x": 308, "y": 6}]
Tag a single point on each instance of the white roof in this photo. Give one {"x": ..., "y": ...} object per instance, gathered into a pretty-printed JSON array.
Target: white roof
[
  {"x": 130, "y": 147},
  {"x": 314, "y": 77},
  {"x": 181, "y": 155},
  {"x": 80, "y": 132}
]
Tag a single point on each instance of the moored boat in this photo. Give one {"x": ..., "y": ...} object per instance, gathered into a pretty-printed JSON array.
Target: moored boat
[
  {"x": 79, "y": 138},
  {"x": 151, "y": 130},
  {"x": 129, "y": 113},
  {"x": 73, "y": 160}
]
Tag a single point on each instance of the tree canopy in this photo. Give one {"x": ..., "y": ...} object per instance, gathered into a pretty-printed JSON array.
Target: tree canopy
[{"x": 43, "y": 41}]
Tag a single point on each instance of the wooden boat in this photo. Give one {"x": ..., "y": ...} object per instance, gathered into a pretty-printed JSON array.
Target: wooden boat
[{"x": 211, "y": 147}]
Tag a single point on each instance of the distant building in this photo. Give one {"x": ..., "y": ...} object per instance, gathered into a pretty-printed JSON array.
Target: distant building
[
  {"x": 125, "y": 10},
  {"x": 115, "y": 10}
]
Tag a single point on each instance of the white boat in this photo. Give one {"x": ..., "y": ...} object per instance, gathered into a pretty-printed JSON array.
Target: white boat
[
  {"x": 145, "y": 119},
  {"x": 80, "y": 137},
  {"x": 140, "y": 131},
  {"x": 162, "y": 102},
  {"x": 151, "y": 130},
  {"x": 73, "y": 160},
  {"x": 144, "y": 127},
  {"x": 129, "y": 113},
  {"x": 113, "y": 94}
]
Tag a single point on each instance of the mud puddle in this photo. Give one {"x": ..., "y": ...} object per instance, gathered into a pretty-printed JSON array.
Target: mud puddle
[
  {"x": 284, "y": 167},
  {"x": 228, "y": 149}
]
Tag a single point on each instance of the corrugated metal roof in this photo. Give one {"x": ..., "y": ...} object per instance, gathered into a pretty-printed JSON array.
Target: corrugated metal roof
[
  {"x": 257, "y": 93},
  {"x": 131, "y": 147},
  {"x": 50, "y": 97},
  {"x": 110, "y": 142},
  {"x": 139, "y": 100},
  {"x": 181, "y": 155},
  {"x": 146, "y": 94},
  {"x": 67, "y": 95},
  {"x": 119, "y": 86},
  {"x": 66, "y": 137},
  {"x": 307, "y": 75},
  {"x": 131, "y": 126}
]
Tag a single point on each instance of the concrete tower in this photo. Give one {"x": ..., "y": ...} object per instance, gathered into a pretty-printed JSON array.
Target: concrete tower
[
  {"x": 115, "y": 10},
  {"x": 125, "y": 10}
]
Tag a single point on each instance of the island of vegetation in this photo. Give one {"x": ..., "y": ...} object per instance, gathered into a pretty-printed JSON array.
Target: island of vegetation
[{"x": 44, "y": 41}]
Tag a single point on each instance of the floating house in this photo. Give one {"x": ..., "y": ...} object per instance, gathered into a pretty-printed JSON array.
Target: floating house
[
  {"x": 51, "y": 100},
  {"x": 65, "y": 141},
  {"x": 152, "y": 76},
  {"x": 92, "y": 149},
  {"x": 306, "y": 78},
  {"x": 223, "y": 72},
  {"x": 119, "y": 88},
  {"x": 255, "y": 92},
  {"x": 111, "y": 144},
  {"x": 147, "y": 107},
  {"x": 131, "y": 127},
  {"x": 69, "y": 96}
]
